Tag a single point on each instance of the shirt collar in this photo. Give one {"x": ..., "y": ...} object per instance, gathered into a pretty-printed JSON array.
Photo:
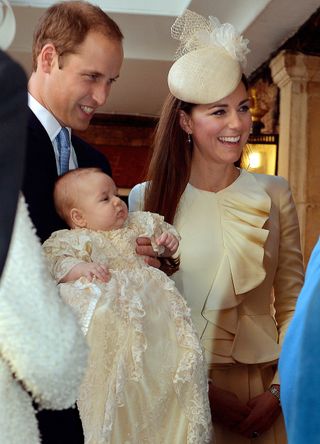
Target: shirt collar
[{"x": 48, "y": 121}]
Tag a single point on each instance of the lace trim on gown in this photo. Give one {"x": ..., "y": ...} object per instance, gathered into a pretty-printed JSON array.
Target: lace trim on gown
[{"x": 188, "y": 376}]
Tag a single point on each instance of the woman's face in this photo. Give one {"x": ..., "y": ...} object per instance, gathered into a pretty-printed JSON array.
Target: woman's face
[{"x": 221, "y": 129}]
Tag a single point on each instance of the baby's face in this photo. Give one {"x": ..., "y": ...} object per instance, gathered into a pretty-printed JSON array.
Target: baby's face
[{"x": 100, "y": 205}]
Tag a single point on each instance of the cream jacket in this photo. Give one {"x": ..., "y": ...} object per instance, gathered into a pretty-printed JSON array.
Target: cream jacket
[{"x": 241, "y": 266}]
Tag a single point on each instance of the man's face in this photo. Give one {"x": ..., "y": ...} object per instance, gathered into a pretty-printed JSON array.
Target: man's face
[{"x": 73, "y": 92}]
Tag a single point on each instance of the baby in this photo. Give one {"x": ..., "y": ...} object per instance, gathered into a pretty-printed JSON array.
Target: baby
[{"x": 146, "y": 376}]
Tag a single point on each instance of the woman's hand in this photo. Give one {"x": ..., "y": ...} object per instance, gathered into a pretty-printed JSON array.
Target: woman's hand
[
  {"x": 265, "y": 409},
  {"x": 144, "y": 248},
  {"x": 88, "y": 270},
  {"x": 226, "y": 408}
]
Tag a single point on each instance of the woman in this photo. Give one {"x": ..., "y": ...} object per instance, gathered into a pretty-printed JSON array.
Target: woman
[{"x": 241, "y": 266}]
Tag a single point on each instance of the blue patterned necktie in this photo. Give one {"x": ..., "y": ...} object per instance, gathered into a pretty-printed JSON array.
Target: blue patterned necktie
[{"x": 63, "y": 142}]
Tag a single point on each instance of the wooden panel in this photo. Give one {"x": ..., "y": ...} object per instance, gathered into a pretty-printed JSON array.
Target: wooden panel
[{"x": 126, "y": 141}]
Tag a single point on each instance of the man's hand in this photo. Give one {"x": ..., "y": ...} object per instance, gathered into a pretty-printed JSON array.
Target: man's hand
[
  {"x": 89, "y": 271},
  {"x": 144, "y": 248}
]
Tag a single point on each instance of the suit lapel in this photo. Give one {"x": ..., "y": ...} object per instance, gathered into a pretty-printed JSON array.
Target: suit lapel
[{"x": 40, "y": 150}]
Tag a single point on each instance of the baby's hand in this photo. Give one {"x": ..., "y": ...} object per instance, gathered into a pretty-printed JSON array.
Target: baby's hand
[
  {"x": 89, "y": 271},
  {"x": 170, "y": 242}
]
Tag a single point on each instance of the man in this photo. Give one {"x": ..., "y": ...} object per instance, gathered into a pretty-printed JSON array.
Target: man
[{"x": 77, "y": 55}]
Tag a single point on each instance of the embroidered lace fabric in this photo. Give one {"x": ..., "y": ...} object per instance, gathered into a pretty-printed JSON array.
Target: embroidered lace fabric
[{"x": 146, "y": 378}]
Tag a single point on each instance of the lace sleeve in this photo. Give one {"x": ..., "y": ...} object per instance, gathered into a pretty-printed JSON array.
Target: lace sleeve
[
  {"x": 66, "y": 248},
  {"x": 152, "y": 225},
  {"x": 160, "y": 226}
]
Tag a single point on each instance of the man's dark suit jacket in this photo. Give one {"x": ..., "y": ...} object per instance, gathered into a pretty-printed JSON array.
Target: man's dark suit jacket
[
  {"x": 13, "y": 127},
  {"x": 41, "y": 174},
  {"x": 56, "y": 427}
]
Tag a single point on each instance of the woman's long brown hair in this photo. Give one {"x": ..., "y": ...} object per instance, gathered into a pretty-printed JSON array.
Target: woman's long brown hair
[{"x": 170, "y": 166}]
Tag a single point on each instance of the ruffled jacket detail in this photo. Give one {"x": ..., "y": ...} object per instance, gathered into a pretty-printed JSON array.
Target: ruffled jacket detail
[
  {"x": 241, "y": 269},
  {"x": 241, "y": 327}
]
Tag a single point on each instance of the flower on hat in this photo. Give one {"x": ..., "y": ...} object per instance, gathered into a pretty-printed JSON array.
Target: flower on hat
[{"x": 195, "y": 32}]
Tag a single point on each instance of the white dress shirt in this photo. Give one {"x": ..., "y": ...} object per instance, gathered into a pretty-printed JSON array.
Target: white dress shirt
[{"x": 53, "y": 127}]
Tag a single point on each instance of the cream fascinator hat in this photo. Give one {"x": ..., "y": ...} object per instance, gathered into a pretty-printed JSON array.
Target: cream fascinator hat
[
  {"x": 7, "y": 25},
  {"x": 210, "y": 59}
]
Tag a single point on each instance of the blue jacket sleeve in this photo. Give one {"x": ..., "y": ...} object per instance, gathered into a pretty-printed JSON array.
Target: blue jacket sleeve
[{"x": 299, "y": 364}]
